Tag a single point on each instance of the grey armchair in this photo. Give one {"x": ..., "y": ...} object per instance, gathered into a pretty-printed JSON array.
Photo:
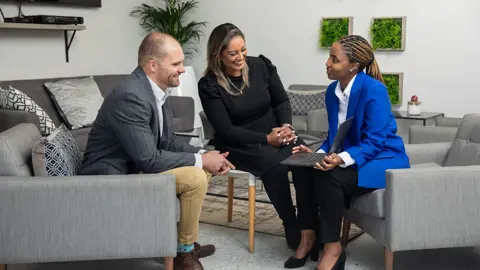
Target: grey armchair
[
  {"x": 432, "y": 205},
  {"x": 444, "y": 130}
]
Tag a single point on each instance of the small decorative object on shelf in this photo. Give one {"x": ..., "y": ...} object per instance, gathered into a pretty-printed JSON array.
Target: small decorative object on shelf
[{"x": 414, "y": 106}]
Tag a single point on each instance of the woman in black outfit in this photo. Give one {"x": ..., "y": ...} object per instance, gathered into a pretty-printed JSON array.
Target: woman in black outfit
[{"x": 246, "y": 103}]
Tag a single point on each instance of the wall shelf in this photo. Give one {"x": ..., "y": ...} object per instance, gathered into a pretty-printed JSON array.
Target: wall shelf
[{"x": 64, "y": 28}]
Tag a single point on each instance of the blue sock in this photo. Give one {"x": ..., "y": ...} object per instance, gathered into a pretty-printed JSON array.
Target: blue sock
[{"x": 184, "y": 248}]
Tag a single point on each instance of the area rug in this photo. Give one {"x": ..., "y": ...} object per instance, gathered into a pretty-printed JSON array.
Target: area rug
[{"x": 214, "y": 209}]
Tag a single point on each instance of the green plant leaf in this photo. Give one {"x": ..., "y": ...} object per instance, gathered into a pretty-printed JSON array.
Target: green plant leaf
[
  {"x": 331, "y": 30},
  {"x": 392, "y": 82},
  {"x": 387, "y": 33},
  {"x": 171, "y": 19}
]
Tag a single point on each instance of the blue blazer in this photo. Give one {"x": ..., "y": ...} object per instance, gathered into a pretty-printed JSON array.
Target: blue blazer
[{"x": 372, "y": 140}]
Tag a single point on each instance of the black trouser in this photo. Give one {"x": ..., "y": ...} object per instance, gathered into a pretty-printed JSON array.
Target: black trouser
[
  {"x": 277, "y": 186},
  {"x": 327, "y": 193}
]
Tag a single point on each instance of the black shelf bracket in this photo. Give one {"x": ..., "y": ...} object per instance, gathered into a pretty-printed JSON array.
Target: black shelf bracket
[{"x": 67, "y": 42}]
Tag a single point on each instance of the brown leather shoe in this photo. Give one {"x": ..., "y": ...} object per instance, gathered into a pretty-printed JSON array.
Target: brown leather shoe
[
  {"x": 187, "y": 261},
  {"x": 203, "y": 251}
]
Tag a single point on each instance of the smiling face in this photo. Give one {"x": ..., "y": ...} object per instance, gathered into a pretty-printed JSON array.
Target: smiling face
[
  {"x": 167, "y": 69},
  {"x": 234, "y": 55},
  {"x": 338, "y": 64}
]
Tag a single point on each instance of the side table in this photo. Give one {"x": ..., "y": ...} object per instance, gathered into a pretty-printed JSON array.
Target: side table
[{"x": 424, "y": 116}]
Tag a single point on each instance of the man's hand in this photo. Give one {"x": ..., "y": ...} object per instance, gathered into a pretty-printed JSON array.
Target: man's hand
[
  {"x": 216, "y": 162},
  {"x": 329, "y": 162}
]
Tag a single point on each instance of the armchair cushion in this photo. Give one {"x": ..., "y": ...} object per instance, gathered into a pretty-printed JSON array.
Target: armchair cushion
[
  {"x": 370, "y": 203},
  {"x": 465, "y": 149}
]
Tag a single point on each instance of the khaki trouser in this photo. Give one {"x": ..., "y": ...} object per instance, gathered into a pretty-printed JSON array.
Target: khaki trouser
[{"x": 191, "y": 184}]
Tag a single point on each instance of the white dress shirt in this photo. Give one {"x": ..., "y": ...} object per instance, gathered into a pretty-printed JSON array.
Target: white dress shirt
[
  {"x": 160, "y": 97},
  {"x": 343, "y": 97}
]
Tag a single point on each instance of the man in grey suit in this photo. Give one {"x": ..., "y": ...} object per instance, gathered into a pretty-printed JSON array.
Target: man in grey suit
[{"x": 133, "y": 133}]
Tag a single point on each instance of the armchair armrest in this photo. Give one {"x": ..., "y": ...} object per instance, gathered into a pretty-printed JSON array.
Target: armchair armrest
[
  {"x": 427, "y": 152},
  {"x": 11, "y": 118},
  {"x": 431, "y": 134},
  {"x": 432, "y": 207},
  {"x": 317, "y": 120},
  {"x": 51, "y": 219}
]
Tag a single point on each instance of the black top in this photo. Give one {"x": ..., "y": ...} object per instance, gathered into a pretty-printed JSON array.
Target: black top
[{"x": 243, "y": 122}]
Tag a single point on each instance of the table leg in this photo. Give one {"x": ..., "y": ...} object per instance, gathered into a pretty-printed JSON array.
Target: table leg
[
  {"x": 251, "y": 209},
  {"x": 231, "y": 184}
]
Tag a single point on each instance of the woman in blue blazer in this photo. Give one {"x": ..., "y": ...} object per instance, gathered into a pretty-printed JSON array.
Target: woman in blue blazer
[{"x": 371, "y": 147}]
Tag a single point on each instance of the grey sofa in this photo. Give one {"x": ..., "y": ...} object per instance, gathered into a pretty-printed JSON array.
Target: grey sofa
[
  {"x": 80, "y": 218},
  {"x": 444, "y": 130},
  {"x": 183, "y": 107},
  {"x": 434, "y": 204}
]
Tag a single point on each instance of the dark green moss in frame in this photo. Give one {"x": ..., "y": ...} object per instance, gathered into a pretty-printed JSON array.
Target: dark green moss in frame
[
  {"x": 333, "y": 29},
  {"x": 394, "y": 84},
  {"x": 388, "y": 33}
]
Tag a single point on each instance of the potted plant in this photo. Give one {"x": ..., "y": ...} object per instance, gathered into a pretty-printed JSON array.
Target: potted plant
[{"x": 171, "y": 19}]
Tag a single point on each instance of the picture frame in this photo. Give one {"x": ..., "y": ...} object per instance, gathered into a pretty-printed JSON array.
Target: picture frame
[
  {"x": 388, "y": 33},
  {"x": 394, "y": 83},
  {"x": 332, "y": 29}
]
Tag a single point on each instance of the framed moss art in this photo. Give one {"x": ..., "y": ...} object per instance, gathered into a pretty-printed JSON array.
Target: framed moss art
[
  {"x": 388, "y": 33},
  {"x": 333, "y": 28},
  {"x": 394, "y": 84}
]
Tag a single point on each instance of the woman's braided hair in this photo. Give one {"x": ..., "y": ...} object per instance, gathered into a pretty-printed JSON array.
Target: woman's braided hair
[{"x": 359, "y": 50}]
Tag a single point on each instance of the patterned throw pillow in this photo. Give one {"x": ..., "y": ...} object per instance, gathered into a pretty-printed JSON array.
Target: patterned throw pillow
[
  {"x": 77, "y": 100},
  {"x": 304, "y": 101},
  {"x": 15, "y": 99},
  {"x": 56, "y": 154}
]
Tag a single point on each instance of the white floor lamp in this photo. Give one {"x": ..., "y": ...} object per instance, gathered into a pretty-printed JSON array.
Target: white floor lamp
[{"x": 189, "y": 87}]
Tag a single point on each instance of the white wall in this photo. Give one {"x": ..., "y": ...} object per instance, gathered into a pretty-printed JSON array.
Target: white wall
[
  {"x": 108, "y": 46},
  {"x": 440, "y": 63}
]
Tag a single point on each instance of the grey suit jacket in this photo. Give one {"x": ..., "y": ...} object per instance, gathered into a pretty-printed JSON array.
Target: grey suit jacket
[{"x": 125, "y": 137}]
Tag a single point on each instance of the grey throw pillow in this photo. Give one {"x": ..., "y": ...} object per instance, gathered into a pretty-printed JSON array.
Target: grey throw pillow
[
  {"x": 15, "y": 99},
  {"x": 77, "y": 100},
  {"x": 304, "y": 101},
  {"x": 56, "y": 154}
]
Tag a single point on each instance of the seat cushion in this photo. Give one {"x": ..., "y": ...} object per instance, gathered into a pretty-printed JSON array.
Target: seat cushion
[
  {"x": 373, "y": 203},
  {"x": 370, "y": 203}
]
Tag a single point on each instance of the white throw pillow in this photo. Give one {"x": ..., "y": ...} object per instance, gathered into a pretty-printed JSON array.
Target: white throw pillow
[{"x": 77, "y": 100}]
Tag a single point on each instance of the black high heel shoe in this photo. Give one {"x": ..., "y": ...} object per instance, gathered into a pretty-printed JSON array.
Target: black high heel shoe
[
  {"x": 340, "y": 263},
  {"x": 293, "y": 262}
]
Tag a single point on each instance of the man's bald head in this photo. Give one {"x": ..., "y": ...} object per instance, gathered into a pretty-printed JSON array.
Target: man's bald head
[{"x": 155, "y": 46}]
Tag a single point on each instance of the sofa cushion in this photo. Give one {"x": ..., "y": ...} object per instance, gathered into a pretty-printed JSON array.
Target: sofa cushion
[
  {"x": 77, "y": 100},
  {"x": 304, "y": 101},
  {"x": 16, "y": 149},
  {"x": 15, "y": 99},
  {"x": 57, "y": 154}
]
